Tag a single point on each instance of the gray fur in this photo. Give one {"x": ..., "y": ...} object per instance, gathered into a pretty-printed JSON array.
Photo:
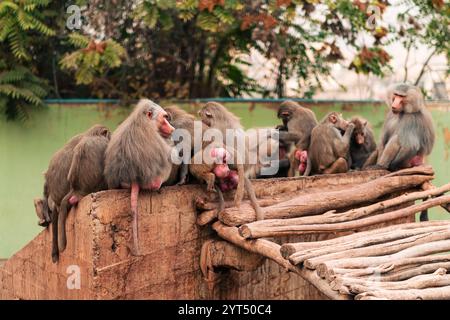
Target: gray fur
[
  {"x": 137, "y": 153},
  {"x": 413, "y": 128}
]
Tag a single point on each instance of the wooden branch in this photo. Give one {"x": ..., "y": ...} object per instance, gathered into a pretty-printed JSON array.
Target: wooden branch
[
  {"x": 417, "y": 270},
  {"x": 263, "y": 247},
  {"x": 311, "y": 204},
  {"x": 222, "y": 254},
  {"x": 397, "y": 269},
  {"x": 288, "y": 249},
  {"x": 365, "y": 243},
  {"x": 382, "y": 249},
  {"x": 353, "y": 285},
  {"x": 424, "y": 169},
  {"x": 271, "y": 250},
  {"x": 331, "y": 217},
  {"x": 202, "y": 203},
  {"x": 429, "y": 186},
  {"x": 402, "y": 268},
  {"x": 206, "y": 217},
  {"x": 440, "y": 293},
  {"x": 363, "y": 262},
  {"x": 252, "y": 231}
]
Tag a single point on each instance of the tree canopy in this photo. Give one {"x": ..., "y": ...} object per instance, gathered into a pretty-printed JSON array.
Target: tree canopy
[{"x": 197, "y": 48}]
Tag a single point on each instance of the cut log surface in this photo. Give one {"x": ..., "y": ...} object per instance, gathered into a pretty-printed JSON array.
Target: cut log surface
[
  {"x": 409, "y": 261},
  {"x": 271, "y": 250}
]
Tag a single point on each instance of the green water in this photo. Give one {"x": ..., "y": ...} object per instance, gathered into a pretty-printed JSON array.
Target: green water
[{"x": 25, "y": 149}]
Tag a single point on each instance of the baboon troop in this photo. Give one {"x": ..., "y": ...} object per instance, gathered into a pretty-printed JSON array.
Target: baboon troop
[{"x": 157, "y": 147}]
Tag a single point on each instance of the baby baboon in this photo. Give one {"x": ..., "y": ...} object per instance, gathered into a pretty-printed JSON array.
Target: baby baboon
[
  {"x": 362, "y": 144},
  {"x": 329, "y": 149},
  {"x": 408, "y": 132},
  {"x": 299, "y": 122},
  {"x": 138, "y": 155}
]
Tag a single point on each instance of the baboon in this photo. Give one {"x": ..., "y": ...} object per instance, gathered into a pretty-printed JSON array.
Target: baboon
[
  {"x": 216, "y": 116},
  {"x": 138, "y": 155},
  {"x": 298, "y": 122},
  {"x": 57, "y": 184},
  {"x": 85, "y": 174},
  {"x": 329, "y": 149},
  {"x": 180, "y": 119},
  {"x": 408, "y": 132},
  {"x": 362, "y": 144},
  {"x": 214, "y": 170},
  {"x": 283, "y": 150}
]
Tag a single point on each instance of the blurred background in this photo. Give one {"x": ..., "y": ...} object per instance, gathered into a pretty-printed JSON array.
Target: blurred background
[{"x": 65, "y": 65}]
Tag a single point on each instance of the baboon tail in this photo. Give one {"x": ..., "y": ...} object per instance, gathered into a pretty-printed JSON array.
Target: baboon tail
[
  {"x": 308, "y": 167},
  {"x": 240, "y": 190},
  {"x": 134, "y": 211},
  {"x": 253, "y": 200},
  {"x": 55, "y": 251},
  {"x": 63, "y": 210}
]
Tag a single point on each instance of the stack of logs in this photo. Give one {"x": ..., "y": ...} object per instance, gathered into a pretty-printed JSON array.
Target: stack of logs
[
  {"x": 406, "y": 262},
  {"x": 345, "y": 267}
]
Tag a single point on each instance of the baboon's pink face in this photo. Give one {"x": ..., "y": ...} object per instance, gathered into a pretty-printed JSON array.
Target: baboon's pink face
[
  {"x": 165, "y": 129},
  {"x": 398, "y": 103},
  {"x": 359, "y": 138}
]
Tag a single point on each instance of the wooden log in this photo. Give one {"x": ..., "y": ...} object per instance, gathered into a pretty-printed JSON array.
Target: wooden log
[
  {"x": 440, "y": 293},
  {"x": 276, "y": 186},
  {"x": 223, "y": 254},
  {"x": 429, "y": 186},
  {"x": 263, "y": 247},
  {"x": 289, "y": 249},
  {"x": 363, "y": 262},
  {"x": 438, "y": 278},
  {"x": 263, "y": 202},
  {"x": 202, "y": 203},
  {"x": 364, "y": 242},
  {"x": 380, "y": 249},
  {"x": 211, "y": 214},
  {"x": 353, "y": 214},
  {"x": 252, "y": 231},
  {"x": 415, "y": 271},
  {"x": 425, "y": 169},
  {"x": 397, "y": 269},
  {"x": 271, "y": 250},
  {"x": 311, "y": 204},
  {"x": 206, "y": 217}
]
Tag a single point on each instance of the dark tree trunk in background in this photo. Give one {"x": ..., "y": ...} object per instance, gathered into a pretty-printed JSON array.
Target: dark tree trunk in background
[{"x": 280, "y": 79}]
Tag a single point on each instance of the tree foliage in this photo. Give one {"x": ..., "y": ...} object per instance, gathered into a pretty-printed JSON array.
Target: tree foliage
[
  {"x": 19, "y": 87},
  {"x": 200, "y": 48},
  {"x": 92, "y": 58}
]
